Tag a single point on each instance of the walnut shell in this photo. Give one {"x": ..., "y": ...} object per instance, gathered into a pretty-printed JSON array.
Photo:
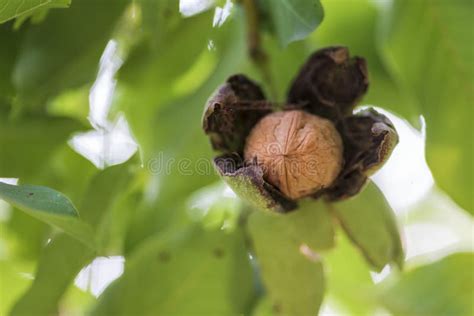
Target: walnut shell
[{"x": 300, "y": 153}]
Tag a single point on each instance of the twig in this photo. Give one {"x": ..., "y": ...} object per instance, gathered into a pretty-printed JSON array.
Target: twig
[{"x": 254, "y": 44}]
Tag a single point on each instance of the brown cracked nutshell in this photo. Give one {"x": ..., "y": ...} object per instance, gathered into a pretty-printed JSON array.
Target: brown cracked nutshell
[
  {"x": 299, "y": 153},
  {"x": 316, "y": 147}
]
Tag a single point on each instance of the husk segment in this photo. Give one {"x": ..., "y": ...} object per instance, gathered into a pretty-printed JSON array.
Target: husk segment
[
  {"x": 232, "y": 111},
  {"x": 369, "y": 138},
  {"x": 248, "y": 183},
  {"x": 330, "y": 83}
]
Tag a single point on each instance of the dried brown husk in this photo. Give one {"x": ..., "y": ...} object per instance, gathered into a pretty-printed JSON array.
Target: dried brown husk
[
  {"x": 369, "y": 138},
  {"x": 232, "y": 111},
  {"x": 330, "y": 83}
]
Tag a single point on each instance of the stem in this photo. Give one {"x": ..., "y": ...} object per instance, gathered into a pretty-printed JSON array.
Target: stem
[{"x": 254, "y": 44}]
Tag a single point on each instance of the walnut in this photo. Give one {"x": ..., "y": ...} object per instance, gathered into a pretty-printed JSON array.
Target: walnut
[
  {"x": 300, "y": 153},
  {"x": 273, "y": 159}
]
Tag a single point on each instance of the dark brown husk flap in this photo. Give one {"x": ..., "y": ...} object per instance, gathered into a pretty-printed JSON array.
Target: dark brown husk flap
[
  {"x": 330, "y": 83},
  {"x": 232, "y": 111},
  {"x": 369, "y": 138},
  {"x": 247, "y": 181}
]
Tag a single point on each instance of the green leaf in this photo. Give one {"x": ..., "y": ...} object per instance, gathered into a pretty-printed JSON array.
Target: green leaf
[
  {"x": 49, "y": 206},
  {"x": 10, "y": 44},
  {"x": 263, "y": 307},
  {"x": 57, "y": 54},
  {"x": 214, "y": 207},
  {"x": 99, "y": 203},
  {"x": 285, "y": 248},
  {"x": 104, "y": 188},
  {"x": 444, "y": 287},
  {"x": 23, "y": 235},
  {"x": 72, "y": 104},
  {"x": 19, "y": 138},
  {"x": 369, "y": 222},
  {"x": 13, "y": 282},
  {"x": 32, "y": 198},
  {"x": 350, "y": 285},
  {"x": 60, "y": 262},
  {"x": 63, "y": 170},
  {"x": 114, "y": 224},
  {"x": 68, "y": 172},
  {"x": 190, "y": 272},
  {"x": 310, "y": 224},
  {"x": 428, "y": 47},
  {"x": 293, "y": 20},
  {"x": 10, "y": 9},
  {"x": 76, "y": 301}
]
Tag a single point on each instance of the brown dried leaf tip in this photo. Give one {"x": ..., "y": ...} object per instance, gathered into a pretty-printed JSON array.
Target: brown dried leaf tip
[{"x": 315, "y": 147}]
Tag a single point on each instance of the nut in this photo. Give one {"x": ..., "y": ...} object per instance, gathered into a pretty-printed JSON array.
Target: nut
[
  {"x": 297, "y": 153},
  {"x": 300, "y": 153}
]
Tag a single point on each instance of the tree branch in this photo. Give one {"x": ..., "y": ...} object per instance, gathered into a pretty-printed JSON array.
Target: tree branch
[{"x": 254, "y": 44}]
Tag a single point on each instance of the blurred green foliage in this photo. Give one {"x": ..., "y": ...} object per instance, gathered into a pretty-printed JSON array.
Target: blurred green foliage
[
  {"x": 370, "y": 207},
  {"x": 190, "y": 246},
  {"x": 291, "y": 20},
  {"x": 408, "y": 296},
  {"x": 62, "y": 258},
  {"x": 291, "y": 268},
  {"x": 62, "y": 52},
  {"x": 190, "y": 272},
  {"x": 437, "y": 71}
]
